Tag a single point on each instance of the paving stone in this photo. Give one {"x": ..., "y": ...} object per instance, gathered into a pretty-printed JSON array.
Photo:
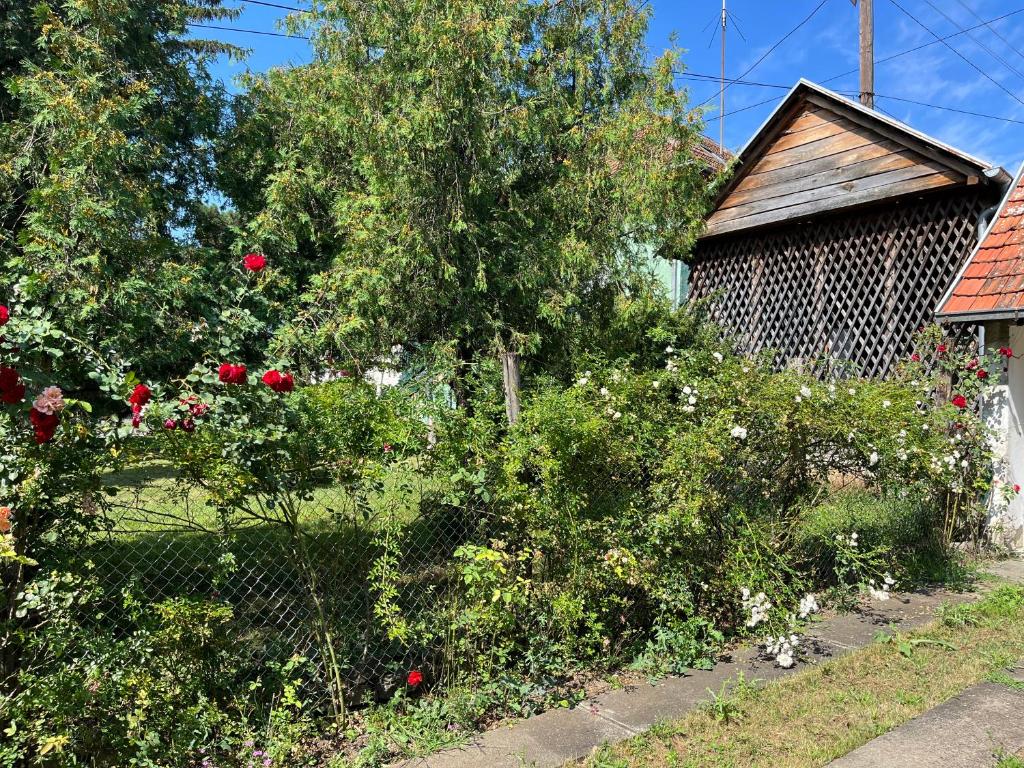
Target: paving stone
[
  {"x": 968, "y": 731},
  {"x": 548, "y": 739}
]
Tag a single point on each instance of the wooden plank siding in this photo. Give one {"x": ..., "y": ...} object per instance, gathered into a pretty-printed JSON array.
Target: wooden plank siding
[{"x": 824, "y": 161}]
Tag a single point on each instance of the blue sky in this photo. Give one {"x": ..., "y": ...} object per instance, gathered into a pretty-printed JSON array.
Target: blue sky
[{"x": 822, "y": 48}]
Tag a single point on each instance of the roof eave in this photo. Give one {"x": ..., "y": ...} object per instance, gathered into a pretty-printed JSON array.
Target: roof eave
[{"x": 982, "y": 316}]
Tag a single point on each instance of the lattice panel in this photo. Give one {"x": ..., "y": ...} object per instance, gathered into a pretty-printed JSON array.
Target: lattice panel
[{"x": 851, "y": 287}]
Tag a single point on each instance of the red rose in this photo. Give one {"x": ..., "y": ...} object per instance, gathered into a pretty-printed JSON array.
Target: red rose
[
  {"x": 1016, "y": 487},
  {"x": 188, "y": 425},
  {"x": 972, "y": 364},
  {"x": 982, "y": 374},
  {"x": 415, "y": 678},
  {"x": 254, "y": 262},
  {"x": 231, "y": 374},
  {"x": 387, "y": 448},
  {"x": 198, "y": 409},
  {"x": 44, "y": 424},
  {"x": 140, "y": 395},
  {"x": 915, "y": 358},
  {"x": 941, "y": 349},
  {"x": 170, "y": 424},
  {"x": 959, "y": 401},
  {"x": 5, "y": 314},
  {"x": 279, "y": 382},
  {"x": 1006, "y": 352},
  {"x": 12, "y": 388}
]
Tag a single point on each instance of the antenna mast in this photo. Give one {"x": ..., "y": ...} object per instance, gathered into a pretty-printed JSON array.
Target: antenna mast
[{"x": 721, "y": 91}]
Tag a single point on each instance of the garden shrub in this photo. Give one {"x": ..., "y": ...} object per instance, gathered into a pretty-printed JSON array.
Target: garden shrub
[
  {"x": 901, "y": 524},
  {"x": 640, "y": 515},
  {"x": 174, "y": 687},
  {"x": 632, "y": 508}
]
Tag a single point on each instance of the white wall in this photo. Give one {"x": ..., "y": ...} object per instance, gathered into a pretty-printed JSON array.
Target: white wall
[{"x": 1004, "y": 410}]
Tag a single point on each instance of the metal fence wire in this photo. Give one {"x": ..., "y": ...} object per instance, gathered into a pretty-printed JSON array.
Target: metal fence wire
[
  {"x": 313, "y": 585},
  {"x": 367, "y": 585}
]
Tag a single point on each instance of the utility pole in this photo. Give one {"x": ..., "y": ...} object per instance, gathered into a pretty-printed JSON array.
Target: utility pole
[
  {"x": 721, "y": 91},
  {"x": 867, "y": 52}
]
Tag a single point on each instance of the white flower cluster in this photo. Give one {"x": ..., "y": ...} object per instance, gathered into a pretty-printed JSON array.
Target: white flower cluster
[
  {"x": 783, "y": 648},
  {"x": 671, "y": 365},
  {"x": 805, "y": 393},
  {"x": 850, "y": 541},
  {"x": 738, "y": 432},
  {"x": 691, "y": 399},
  {"x": 583, "y": 380},
  {"x": 758, "y": 605},
  {"x": 880, "y": 593},
  {"x": 808, "y": 605}
]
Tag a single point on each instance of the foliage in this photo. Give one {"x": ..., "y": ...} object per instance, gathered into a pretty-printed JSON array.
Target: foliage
[
  {"x": 108, "y": 120},
  {"x": 171, "y": 687},
  {"x": 478, "y": 183},
  {"x": 630, "y": 510}
]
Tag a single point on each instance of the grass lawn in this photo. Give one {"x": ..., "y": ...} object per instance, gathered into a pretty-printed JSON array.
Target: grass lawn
[
  {"x": 150, "y": 499},
  {"x": 816, "y": 716}
]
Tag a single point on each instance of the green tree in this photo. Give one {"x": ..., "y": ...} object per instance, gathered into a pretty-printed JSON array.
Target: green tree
[
  {"x": 471, "y": 176},
  {"x": 109, "y": 116}
]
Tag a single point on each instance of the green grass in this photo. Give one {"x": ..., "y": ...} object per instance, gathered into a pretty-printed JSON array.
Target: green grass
[
  {"x": 151, "y": 499},
  {"x": 813, "y": 717}
]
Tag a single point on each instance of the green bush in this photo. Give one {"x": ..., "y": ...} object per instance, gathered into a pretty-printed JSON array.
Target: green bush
[{"x": 175, "y": 687}]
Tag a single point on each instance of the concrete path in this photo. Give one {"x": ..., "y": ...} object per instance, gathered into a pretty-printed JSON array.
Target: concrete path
[
  {"x": 550, "y": 739},
  {"x": 968, "y": 731}
]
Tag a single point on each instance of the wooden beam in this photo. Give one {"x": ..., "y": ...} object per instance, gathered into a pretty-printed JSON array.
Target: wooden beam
[
  {"x": 822, "y": 195},
  {"x": 928, "y": 149},
  {"x": 816, "y": 207},
  {"x": 835, "y": 175}
]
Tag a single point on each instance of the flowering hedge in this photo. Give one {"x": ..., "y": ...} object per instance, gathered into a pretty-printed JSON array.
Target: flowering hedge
[{"x": 638, "y": 515}]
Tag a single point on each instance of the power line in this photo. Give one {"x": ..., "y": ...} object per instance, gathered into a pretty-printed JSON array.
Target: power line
[
  {"x": 769, "y": 52},
  {"x": 701, "y": 77},
  {"x": 247, "y": 31},
  {"x": 974, "y": 66},
  {"x": 706, "y": 78},
  {"x": 991, "y": 29},
  {"x": 952, "y": 109},
  {"x": 741, "y": 109},
  {"x": 276, "y": 5},
  {"x": 928, "y": 45},
  {"x": 990, "y": 52}
]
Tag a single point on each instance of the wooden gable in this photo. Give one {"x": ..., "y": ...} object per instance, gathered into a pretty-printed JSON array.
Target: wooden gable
[{"x": 820, "y": 153}]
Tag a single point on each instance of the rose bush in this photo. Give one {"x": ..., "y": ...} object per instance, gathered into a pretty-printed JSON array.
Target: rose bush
[{"x": 641, "y": 514}]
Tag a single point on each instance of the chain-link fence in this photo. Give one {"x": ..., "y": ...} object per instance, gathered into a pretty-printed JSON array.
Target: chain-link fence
[{"x": 328, "y": 575}]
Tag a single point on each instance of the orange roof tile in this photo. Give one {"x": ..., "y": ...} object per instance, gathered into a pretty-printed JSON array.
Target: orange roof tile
[{"x": 992, "y": 282}]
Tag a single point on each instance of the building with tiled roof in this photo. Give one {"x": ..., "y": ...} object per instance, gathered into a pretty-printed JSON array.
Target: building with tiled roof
[
  {"x": 991, "y": 284},
  {"x": 989, "y": 293}
]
